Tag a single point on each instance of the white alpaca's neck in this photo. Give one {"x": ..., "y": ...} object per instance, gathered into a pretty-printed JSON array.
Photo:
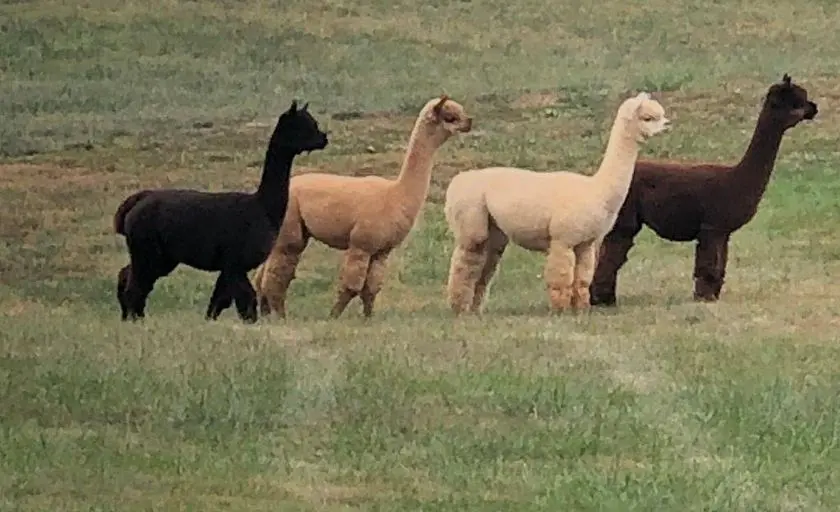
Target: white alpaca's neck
[
  {"x": 412, "y": 184},
  {"x": 616, "y": 170}
]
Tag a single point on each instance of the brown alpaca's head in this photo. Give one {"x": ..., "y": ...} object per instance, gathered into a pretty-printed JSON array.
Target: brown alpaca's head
[
  {"x": 643, "y": 116},
  {"x": 446, "y": 115},
  {"x": 788, "y": 103}
]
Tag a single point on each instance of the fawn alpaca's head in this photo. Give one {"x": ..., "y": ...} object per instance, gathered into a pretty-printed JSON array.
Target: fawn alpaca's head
[
  {"x": 643, "y": 116},
  {"x": 788, "y": 103},
  {"x": 447, "y": 115},
  {"x": 297, "y": 131}
]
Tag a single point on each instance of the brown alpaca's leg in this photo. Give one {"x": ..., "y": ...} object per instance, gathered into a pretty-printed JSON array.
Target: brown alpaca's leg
[
  {"x": 585, "y": 256},
  {"x": 710, "y": 264},
  {"x": 609, "y": 260},
  {"x": 465, "y": 269},
  {"x": 559, "y": 276},
  {"x": 373, "y": 282},
  {"x": 496, "y": 244},
  {"x": 351, "y": 278}
]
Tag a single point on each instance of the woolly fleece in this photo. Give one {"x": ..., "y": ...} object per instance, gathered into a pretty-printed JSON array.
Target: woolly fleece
[
  {"x": 366, "y": 217},
  {"x": 562, "y": 214}
]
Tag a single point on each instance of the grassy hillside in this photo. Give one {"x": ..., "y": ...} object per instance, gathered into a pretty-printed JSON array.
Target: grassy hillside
[{"x": 660, "y": 404}]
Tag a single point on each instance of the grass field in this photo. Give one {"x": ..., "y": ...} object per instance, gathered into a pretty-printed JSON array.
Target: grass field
[{"x": 660, "y": 404}]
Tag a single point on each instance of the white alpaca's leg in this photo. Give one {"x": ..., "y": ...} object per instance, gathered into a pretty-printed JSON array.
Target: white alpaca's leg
[
  {"x": 351, "y": 278},
  {"x": 585, "y": 259},
  {"x": 496, "y": 243},
  {"x": 559, "y": 275},
  {"x": 373, "y": 283},
  {"x": 470, "y": 224}
]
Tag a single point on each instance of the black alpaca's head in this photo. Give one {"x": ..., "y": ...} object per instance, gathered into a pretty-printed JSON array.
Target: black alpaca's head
[
  {"x": 297, "y": 131},
  {"x": 788, "y": 103}
]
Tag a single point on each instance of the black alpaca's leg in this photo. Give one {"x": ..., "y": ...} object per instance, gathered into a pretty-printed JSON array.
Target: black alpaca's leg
[
  {"x": 137, "y": 290},
  {"x": 221, "y": 298},
  {"x": 710, "y": 264},
  {"x": 122, "y": 282},
  {"x": 611, "y": 257},
  {"x": 145, "y": 268},
  {"x": 245, "y": 297}
]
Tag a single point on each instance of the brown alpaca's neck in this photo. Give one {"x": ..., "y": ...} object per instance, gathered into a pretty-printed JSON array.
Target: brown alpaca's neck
[
  {"x": 753, "y": 171},
  {"x": 412, "y": 184},
  {"x": 273, "y": 190},
  {"x": 616, "y": 170}
]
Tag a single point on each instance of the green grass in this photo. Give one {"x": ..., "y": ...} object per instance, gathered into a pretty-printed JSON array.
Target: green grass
[{"x": 661, "y": 404}]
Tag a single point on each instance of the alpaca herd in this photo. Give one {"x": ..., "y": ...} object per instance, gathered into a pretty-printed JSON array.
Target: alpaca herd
[{"x": 584, "y": 224}]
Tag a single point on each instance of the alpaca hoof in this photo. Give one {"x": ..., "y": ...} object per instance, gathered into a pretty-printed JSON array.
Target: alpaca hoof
[
  {"x": 602, "y": 300},
  {"x": 705, "y": 297}
]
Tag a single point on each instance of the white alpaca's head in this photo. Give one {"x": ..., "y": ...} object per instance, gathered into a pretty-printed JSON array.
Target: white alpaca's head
[
  {"x": 643, "y": 116},
  {"x": 446, "y": 115}
]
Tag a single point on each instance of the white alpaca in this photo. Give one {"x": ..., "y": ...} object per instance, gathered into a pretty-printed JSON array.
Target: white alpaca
[{"x": 562, "y": 214}]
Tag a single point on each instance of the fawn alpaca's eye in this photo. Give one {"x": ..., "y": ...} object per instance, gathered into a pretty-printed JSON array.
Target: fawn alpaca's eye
[{"x": 449, "y": 118}]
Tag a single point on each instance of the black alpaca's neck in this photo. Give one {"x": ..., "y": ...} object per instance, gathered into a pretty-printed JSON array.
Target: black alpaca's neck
[
  {"x": 273, "y": 191},
  {"x": 758, "y": 161}
]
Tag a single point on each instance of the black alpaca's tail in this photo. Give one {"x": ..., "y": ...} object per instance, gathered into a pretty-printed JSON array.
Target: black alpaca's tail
[{"x": 125, "y": 207}]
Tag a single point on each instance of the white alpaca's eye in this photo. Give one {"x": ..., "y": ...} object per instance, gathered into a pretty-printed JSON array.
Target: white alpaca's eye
[{"x": 647, "y": 118}]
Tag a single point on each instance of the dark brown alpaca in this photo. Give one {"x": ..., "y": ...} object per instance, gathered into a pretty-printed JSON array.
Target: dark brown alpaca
[{"x": 705, "y": 202}]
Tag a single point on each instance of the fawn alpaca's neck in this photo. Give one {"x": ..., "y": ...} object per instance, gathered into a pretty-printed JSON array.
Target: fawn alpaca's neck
[
  {"x": 616, "y": 171},
  {"x": 757, "y": 163},
  {"x": 416, "y": 173},
  {"x": 273, "y": 191}
]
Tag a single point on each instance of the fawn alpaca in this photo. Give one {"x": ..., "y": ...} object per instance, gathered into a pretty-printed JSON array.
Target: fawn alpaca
[
  {"x": 366, "y": 217},
  {"x": 229, "y": 232},
  {"x": 562, "y": 214},
  {"x": 705, "y": 202}
]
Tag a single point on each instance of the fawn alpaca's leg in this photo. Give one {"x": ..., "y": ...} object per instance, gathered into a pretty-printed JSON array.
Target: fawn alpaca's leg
[
  {"x": 585, "y": 257},
  {"x": 246, "y": 298},
  {"x": 609, "y": 260},
  {"x": 354, "y": 270},
  {"x": 710, "y": 264},
  {"x": 377, "y": 269},
  {"x": 278, "y": 270},
  {"x": 278, "y": 273},
  {"x": 559, "y": 275},
  {"x": 468, "y": 260},
  {"x": 496, "y": 243}
]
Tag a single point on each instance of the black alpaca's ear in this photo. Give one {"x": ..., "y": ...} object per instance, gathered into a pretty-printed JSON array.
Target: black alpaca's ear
[
  {"x": 305, "y": 106},
  {"x": 786, "y": 80},
  {"x": 293, "y": 108}
]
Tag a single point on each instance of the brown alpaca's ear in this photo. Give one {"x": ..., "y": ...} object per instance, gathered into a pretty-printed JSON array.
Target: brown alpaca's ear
[{"x": 437, "y": 108}]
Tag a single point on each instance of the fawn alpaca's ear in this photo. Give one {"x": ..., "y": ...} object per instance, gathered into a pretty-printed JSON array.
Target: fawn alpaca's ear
[{"x": 436, "y": 109}]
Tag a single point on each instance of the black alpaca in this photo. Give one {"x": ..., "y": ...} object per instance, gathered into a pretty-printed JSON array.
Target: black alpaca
[{"x": 228, "y": 232}]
